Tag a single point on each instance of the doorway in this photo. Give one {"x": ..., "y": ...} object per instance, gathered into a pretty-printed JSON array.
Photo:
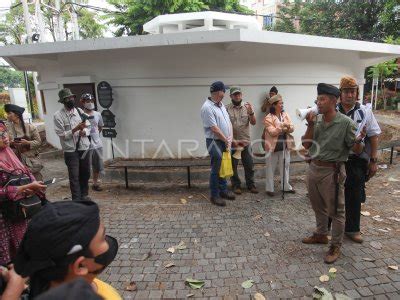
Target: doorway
[{"x": 81, "y": 88}]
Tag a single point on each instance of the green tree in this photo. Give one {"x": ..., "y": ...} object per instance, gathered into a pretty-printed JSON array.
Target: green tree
[
  {"x": 10, "y": 78},
  {"x": 13, "y": 28},
  {"x": 132, "y": 14}
]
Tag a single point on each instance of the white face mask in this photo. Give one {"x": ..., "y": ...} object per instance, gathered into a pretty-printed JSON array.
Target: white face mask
[{"x": 89, "y": 106}]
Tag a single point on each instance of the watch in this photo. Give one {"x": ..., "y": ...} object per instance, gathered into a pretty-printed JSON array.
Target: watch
[{"x": 373, "y": 160}]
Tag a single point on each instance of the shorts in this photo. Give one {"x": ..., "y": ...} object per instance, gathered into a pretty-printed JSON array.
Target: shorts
[{"x": 97, "y": 160}]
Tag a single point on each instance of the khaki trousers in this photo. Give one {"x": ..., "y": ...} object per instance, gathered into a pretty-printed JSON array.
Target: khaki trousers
[{"x": 321, "y": 190}]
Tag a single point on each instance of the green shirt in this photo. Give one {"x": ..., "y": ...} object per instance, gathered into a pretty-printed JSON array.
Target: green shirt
[{"x": 333, "y": 141}]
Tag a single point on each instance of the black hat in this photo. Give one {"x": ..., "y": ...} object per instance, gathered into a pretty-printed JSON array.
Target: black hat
[
  {"x": 57, "y": 231},
  {"x": 218, "y": 86},
  {"x": 77, "y": 289},
  {"x": 273, "y": 90},
  {"x": 328, "y": 89},
  {"x": 14, "y": 108}
]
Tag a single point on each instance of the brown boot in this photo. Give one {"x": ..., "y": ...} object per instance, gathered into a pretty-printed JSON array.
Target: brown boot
[
  {"x": 316, "y": 239},
  {"x": 355, "y": 237},
  {"x": 237, "y": 190},
  {"x": 332, "y": 255},
  {"x": 253, "y": 190}
]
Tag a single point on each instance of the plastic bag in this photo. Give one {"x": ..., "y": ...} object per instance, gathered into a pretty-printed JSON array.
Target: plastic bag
[{"x": 226, "y": 165}]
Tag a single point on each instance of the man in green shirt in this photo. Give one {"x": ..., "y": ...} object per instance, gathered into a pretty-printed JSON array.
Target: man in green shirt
[{"x": 329, "y": 138}]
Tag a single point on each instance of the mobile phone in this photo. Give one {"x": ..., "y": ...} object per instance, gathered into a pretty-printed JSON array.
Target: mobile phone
[
  {"x": 48, "y": 182},
  {"x": 17, "y": 139}
]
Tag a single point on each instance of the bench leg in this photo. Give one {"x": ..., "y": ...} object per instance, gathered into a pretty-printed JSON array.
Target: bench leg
[
  {"x": 126, "y": 177},
  {"x": 391, "y": 155},
  {"x": 188, "y": 176}
]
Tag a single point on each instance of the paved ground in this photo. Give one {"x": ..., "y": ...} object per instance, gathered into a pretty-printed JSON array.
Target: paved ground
[{"x": 252, "y": 238}]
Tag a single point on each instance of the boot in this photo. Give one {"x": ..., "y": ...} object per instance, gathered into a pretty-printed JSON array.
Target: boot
[
  {"x": 355, "y": 237},
  {"x": 218, "y": 201},
  {"x": 253, "y": 190},
  {"x": 237, "y": 190},
  {"x": 227, "y": 195},
  {"x": 332, "y": 255},
  {"x": 271, "y": 194},
  {"x": 316, "y": 239}
]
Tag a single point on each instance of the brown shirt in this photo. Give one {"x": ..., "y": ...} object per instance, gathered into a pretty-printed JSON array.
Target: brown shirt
[{"x": 240, "y": 122}]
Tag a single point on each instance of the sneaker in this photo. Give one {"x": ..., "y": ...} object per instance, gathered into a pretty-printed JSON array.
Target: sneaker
[
  {"x": 332, "y": 255},
  {"x": 355, "y": 237},
  {"x": 97, "y": 188},
  {"x": 253, "y": 190},
  {"x": 237, "y": 190},
  {"x": 218, "y": 201},
  {"x": 227, "y": 195},
  {"x": 271, "y": 194},
  {"x": 316, "y": 239}
]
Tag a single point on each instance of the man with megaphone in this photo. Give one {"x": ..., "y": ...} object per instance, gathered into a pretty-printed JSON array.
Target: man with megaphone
[
  {"x": 329, "y": 138},
  {"x": 359, "y": 168}
]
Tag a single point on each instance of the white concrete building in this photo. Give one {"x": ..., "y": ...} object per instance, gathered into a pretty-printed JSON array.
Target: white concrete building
[{"x": 160, "y": 81}]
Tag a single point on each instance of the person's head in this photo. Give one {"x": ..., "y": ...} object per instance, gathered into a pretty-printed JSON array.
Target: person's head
[
  {"x": 14, "y": 112},
  {"x": 4, "y": 141},
  {"x": 87, "y": 101},
  {"x": 66, "y": 97},
  {"x": 348, "y": 91},
  {"x": 273, "y": 91},
  {"x": 217, "y": 91},
  {"x": 64, "y": 241},
  {"x": 76, "y": 289},
  {"x": 327, "y": 97},
  {"x": 236, "y": 95},
  {"x": 276, "y": 104}
]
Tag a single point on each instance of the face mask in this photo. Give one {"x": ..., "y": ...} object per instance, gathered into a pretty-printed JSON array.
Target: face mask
[
  {"x": 107, "y": 257},
  {"x": 69, "y": 104},
  {"x": 237, "y": 103},
  {"x": 89, "y": 106}
]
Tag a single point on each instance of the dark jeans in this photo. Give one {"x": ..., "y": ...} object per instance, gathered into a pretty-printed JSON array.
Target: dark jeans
[
  {"x": 247, "y": 161},
  {"x": 215, "y": 149},
  {"x": 78, "y": 164},
  {"x": 354, "y": 192}
]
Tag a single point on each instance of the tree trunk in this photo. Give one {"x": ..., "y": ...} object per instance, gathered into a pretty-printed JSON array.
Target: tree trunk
[{"x": 383, "y": 93}]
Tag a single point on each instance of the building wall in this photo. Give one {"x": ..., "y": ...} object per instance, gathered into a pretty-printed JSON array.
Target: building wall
[{"x": 158, "y": 91}]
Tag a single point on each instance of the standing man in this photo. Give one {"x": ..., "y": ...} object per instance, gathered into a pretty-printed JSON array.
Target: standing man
[
  {"x": 96, "y": 145},
  {"x": 359, "y": 168},
  {"x": 72, "y": 130},
  {"x": 241, "y": 116},
  {"x": 218, "y": 132},
  {"x": 329, "y": 138}
]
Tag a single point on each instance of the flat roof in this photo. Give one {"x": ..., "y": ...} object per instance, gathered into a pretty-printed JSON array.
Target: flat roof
[{"x": 367, "y": 50}]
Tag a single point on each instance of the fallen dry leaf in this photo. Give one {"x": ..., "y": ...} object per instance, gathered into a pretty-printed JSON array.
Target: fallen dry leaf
[
  {"x": 332, "y": 270},
  {"x": 376, "y": 245},
  {"x": 183, "y": 201},
  {"x": 377, "y": 218},
  {"x": 131, "y": 286},
  {"x": 276, "y": 219},
  {"x": 258, "y": 296},
  {"x": 258, "y": 217},
  {"x": 267, "y": 234},
  {"x": 190, "y": 197},
  {"x": 393, "y": 267},
  {"x": 324, "y": 278},
  {"x": 169, "y": 265},
  {"x": 369, "y": 259},
  {"x": 189, "y": 295},
  {"x": 386, "y": 184},
  {"x": 171, "y": 250},
  {"x": 181, "y": 246},
  {"x": 394, "y": 219},
  {"x": 392, "y": 179},
  {"x": 366, "y": 213},
  {"x": 383, "y": 230}
]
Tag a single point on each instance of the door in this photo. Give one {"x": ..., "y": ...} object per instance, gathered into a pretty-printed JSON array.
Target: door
[{"x": 81, "y": 88}]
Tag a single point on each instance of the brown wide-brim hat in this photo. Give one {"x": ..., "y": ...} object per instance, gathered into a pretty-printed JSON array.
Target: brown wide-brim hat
[{"x": 275, "y": 98}]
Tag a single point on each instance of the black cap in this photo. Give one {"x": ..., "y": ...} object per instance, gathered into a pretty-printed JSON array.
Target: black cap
[
  {"x": 273, "y": 90},
  {"x": 57, "y": 231},
  {"x": 14, "y": 108},
  {"x": 218, "y": 86},
  {"x": 328, "y": 89},
  {"x": 77, "y": 289}
]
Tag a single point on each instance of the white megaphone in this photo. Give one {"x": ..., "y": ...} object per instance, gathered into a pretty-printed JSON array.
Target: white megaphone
[
  {"x": 301, "y": 113},
  {"x": 238, "y": 153}
]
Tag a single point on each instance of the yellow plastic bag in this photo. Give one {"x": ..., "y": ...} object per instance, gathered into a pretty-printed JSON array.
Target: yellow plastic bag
[{"x": 226, "y": 165}]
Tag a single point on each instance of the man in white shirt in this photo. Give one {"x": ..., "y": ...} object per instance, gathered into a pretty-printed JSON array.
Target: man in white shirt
[{"x": 72, "y": 130}]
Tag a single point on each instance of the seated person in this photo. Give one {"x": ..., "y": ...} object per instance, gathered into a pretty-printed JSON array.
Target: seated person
[{"x": 65, "y": 241}]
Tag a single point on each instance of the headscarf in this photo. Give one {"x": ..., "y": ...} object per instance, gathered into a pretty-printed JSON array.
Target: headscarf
[{"x": 9, "y": 162}]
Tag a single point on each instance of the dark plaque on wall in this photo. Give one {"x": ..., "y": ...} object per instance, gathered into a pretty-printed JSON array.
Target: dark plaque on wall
[
  {"x": 109, "y": 133},
  {"x": 104, "y": 93},
  {"x": 108, "y": 118}
]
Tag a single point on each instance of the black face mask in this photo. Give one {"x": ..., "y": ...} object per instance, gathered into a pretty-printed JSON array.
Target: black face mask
[
  {"x": 107, "y": 257},
  {"x": 69, "y": 104},
  {"x": 237, "y": 103}
]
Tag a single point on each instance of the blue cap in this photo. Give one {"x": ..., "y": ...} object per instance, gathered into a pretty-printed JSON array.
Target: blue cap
[{"x": 218, "y": 86}]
